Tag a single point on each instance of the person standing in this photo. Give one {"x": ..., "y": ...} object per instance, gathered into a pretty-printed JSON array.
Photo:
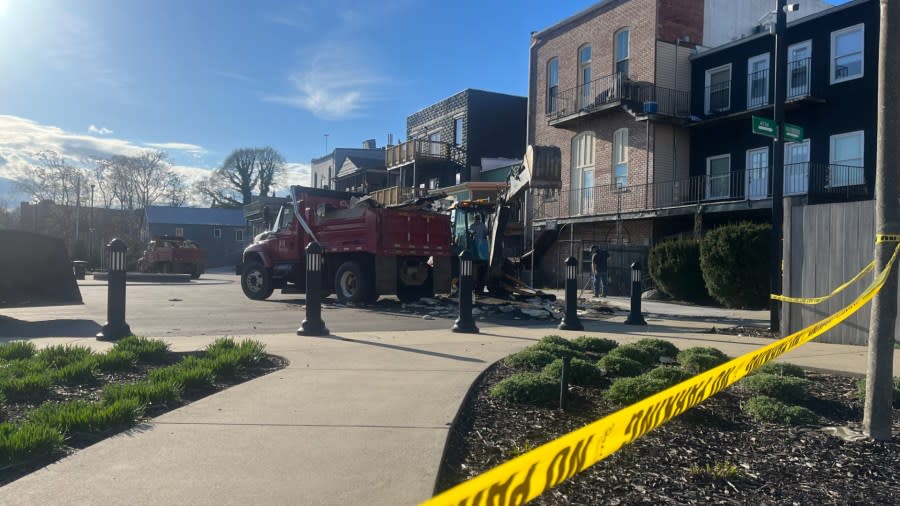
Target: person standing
[{"x": 599, "y": 259}]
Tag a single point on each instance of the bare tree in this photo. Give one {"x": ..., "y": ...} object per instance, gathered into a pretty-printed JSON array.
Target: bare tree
[
  {"x": 270, "y": 167},
  {"x": 53, "y": 178}
]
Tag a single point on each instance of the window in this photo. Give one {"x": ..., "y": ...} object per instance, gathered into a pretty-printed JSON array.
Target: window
[
  {"x": 799, "y": 57},
  {"x": 584, "y": 75},
  {"x": 622, "y": 51},
  {"x": 758, "y": 81},
  {"x": 458, "y": 131},
  {"x": 718, "y": 176},
  {"x": 582, "y": 181},
  {"x": 757, "y": 177},
  {"x": 552, "y": 85},
  {"x": 434, "y": 183},
  {"x": 847, "y": 54},
  {"x": 179, "y": 232},
  {"x": 718, "y": 89},
  {"x": 217, "y": 233},
  {"x": 435, "y": 143},
  {"x": 796, "y": 167},
  {"x": 620, "y": 158},
  {"x": 238, "y": 235},
  {"x": 846, "y": 159}
]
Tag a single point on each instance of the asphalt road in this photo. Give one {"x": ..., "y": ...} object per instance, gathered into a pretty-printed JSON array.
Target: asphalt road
[{"x": 213, "y": 305}]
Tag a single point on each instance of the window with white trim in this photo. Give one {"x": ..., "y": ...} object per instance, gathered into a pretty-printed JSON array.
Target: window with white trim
[
  {"x": 217, "y": 233},
  {"x": 718, "y": 176},
  {"x": 758, "y": 81},
  {"x": 238, "y": 235},
  {"x": 847, "y": 51},
  {"x": 718, "y": 89},
  {"x": 584, "y": 75},
  {"x": 620, "y": 158},
  {"x": 845, "y": 159},
  {"x": 622, "y": 51},
  {"x": 582, "y": 180},
  {"x": 799, "y": 58},
  {"x": 179, "y": 232},
  {"x": 552, "y": 85}
]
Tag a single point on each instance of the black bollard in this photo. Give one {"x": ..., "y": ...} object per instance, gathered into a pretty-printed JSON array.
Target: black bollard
[
  {"x": 313, "y": 324},
  {"x": 635, "y": 317},
  {"x": 564, "y": 384},
  {"x": 115, "y": 327},
  {"x": 570, "y": 321},
  {"x": 465, "y": 324}
]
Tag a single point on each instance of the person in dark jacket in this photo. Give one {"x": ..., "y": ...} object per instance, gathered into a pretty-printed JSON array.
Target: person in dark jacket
[{"x": 599, "y": 259}]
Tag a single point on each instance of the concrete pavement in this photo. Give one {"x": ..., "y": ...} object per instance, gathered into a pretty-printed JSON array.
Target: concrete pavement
[{"x": 356, "y": 418}]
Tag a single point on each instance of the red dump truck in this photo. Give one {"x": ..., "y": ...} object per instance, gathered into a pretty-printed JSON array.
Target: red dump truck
[
  {"x": 173, "y": 254},
  {"x": 369, "y": 250}
]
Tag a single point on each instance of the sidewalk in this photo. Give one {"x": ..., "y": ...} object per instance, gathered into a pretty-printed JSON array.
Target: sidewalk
[{"x": 358, "y": 418}]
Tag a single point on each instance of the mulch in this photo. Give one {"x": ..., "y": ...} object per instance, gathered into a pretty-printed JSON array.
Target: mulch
[{"x": 772, "y": 463}]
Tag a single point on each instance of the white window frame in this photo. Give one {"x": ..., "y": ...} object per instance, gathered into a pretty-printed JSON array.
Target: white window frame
[
  {"x": 620, "y": 147},
  {"x": 844, "y": 176},
  {"x": 861, "y": 28},
  {"x": 796, "y": 179},
  {"x": 552, "y": 86},
  {"x": 706, "y": 93},
  {"x": 217, "y": 233},
  {"x": 756, "y": 103},
  {"x": 238, "y": 235},
  {"x": 616, "y": 59},
  {"x": 752, "y": 180},
  {"x": 583, "y": 161},
  {"x": 585, "y": 76},
  {"x": 807, "y": 44},
  {"x": 179, "y": 231},
  {"x": 709, "y": 181}
]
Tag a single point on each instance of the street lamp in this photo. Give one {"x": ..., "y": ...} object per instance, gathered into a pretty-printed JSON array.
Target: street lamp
[{"x": 91, "y": 228}]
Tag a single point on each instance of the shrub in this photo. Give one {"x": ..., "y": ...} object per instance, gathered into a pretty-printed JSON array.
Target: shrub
[
  {"x": 659, "y": 347},
  {"x": 147, "y": 351},
  {"x": 735, "y": 263},
  {"x": 147, "y": 393},
  {"x": 625, "y": 391},
  {"x": 32, "y": 387},
  {"x": 27, "y": 441},
  {"x": 77, "y": 373},
  {"x": 559, "y": 340},
  {"x": 61, "y": 355},
  {"x": 247, "y": 353},
  {"x": 767, "y": 409},
  {"x": 534, "y": 360},
  {"x": 675, "y": 267},
  {"x": 527, "y": 388},
  {"x": 116, "y": 361},
  {"x": 698, "y": 359},
  {"x": 581, "y": 372},
  {"x": 557, "y": 350},
  {"x": 81, "y": 417},
  {"x": 788, "y": 389},
  {"x": 219, "y": 346},
  {"x": 620, "y": 366},
  {"x": 861, "y": 390},
  {"x": 598, "y": 345},
  {"x": 226, "y": 364},
  {"x": 671, "y": 375},
  {"x": 192, "y": 374},
  {"x": 645, "y": 356},
  {"x": 782, "y": 369},
  {"x": 17, "y": 350}
]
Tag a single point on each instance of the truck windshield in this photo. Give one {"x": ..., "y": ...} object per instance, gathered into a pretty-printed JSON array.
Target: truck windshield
[{"x": 284, "y": 219}]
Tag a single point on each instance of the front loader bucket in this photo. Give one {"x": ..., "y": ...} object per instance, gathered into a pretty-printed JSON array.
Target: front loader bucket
[{"x": 35, "y": 271}]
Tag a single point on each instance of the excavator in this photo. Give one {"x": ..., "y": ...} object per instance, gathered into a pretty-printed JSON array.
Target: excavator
[{"x": 540, "y": 168}]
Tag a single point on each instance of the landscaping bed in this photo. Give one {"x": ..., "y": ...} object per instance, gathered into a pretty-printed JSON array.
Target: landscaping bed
[
  {"x": 59, "y": 399},
  {"x": 720, "y": 452}
]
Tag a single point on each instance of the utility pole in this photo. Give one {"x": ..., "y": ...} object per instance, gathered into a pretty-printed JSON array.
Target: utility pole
[
  {"x": 777, "y": 171},
  {"x": 877, "y": 415}
]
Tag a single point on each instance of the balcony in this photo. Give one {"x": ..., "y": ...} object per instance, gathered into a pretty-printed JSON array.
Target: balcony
[
  {"x": 821, "y": 182},
  {"x": 798, "y": 73},
  {"x": 717, "y": 98},
  {"x": 421, "y": 150},
  {"x": 616, "y": 90},
  {"x": 397, "y": 195}
]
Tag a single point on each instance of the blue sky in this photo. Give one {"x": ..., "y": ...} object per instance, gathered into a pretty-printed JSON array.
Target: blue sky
[{"x": 199, "y": 78}]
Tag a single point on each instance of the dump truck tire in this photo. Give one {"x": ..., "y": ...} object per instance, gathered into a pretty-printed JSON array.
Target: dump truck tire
[
  {"x": 256, "y": 281},
  {"x": 350, "y": 283}
]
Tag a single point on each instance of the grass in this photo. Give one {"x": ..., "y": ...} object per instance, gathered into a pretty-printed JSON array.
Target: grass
[
  {"x": 192, "y": 373},
  {"x": 61, "y": 355},
  {"x": 116, "y": 361},
  {"x": 76, "y": 373},
  {"x": 861, "y": 390},
  {"x": 27, "y": 442},
  {"x": 717, "y": 471},
  {"x": 17, "y": 350},
  {"x": 147, "y": 351},
  {"x": 83, "y": 417},
  {"x": 149, "y": 393},
  {"x": 30, "y": 388}
]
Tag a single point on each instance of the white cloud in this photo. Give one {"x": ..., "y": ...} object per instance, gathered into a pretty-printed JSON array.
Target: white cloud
[
  {"x": 99, "y": 130},
  {"x": 177, "y": 146}
]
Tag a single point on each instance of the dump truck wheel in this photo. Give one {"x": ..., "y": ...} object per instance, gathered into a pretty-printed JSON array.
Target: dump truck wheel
[
  {"x": 350, "y": 284},
  {"x": 256, "y": 281}
]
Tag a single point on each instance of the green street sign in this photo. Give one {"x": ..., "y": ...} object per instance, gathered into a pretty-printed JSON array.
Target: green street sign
[
  {"x": 793, "y": 132},
  {"x": 765, "y": 126}
]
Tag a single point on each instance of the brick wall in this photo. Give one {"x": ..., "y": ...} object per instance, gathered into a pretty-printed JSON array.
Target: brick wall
[{"x": 679, "y": 18}]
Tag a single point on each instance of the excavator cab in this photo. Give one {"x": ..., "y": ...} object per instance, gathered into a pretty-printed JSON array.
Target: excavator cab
[{"x": 465, "y": 217}]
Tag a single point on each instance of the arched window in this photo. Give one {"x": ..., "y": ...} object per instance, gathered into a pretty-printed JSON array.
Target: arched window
[
  {"x": 584, "y": 75},
  {"x": 621, "y": 43},
  {"x": 582, "y": 174},
  {"x": 552, "y": 85}
]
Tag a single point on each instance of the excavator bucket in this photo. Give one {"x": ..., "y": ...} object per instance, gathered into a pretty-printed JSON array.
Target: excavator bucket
[{"x": 35, "y": 271}]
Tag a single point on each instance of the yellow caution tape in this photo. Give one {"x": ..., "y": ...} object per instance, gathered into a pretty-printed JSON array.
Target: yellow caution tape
[
  {"x": 815, "y": 300},
  {"x": 527, "y": 476},
  {"x": 879, "y": 238}
]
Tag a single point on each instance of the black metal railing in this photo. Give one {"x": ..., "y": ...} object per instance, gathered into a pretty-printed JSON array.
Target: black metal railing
[
  {"x": 798, "y": 78},
  {"x": 758, "y": 89},
  {"x": 718, "y": 98},
  {"x": 417, "y": 149},
  {"x": 823, "y": 182},
  {"x": 616, "y": 88}
]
